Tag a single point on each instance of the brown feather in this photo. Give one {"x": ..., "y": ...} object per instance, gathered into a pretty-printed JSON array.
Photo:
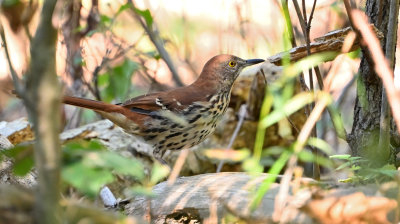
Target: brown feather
[
  {"x": 109, "y": 111},
  {"x": 91, "y": 104},
  {"x": 178, "y": 118},
  {"x": 174, "y": 100}
]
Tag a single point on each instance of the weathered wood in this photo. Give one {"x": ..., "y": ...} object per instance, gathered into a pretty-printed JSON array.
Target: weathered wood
[
  {"x": 5, "y": 143},
  {"x": 330, "y": 42},
  {"x": 210, "y": 197},
  {"x": 17, "y": 205},
  {"x": 17, "y": 131},
  {"x": 364, "y": 137}
]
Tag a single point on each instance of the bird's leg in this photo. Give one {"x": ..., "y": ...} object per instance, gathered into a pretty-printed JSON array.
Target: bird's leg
[{"x": 158, "y": 154}]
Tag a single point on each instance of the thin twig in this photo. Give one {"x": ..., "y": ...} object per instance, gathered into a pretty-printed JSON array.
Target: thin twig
[
  {"x": 14, "y": 75},
  {"x": 344, "y": 92},
  {"x": 289, "y": 27},
  {"x": 158, "y": 43},
  {"x": 380, "y": 10},
  {"x": 303, "y": 6},
  {"x": 348, "y": 10},
  {"x": 349, "y": 7},
  {"x": 308, "y": 42},
  {"x": 241, "y": 115},
  {"x": 306, "y": 26},
  {"x": 153, "y": 82},
  {"x": 321, "y": 104},
  {"x": 300, "y": 16},
  {"x": 306, "y": 131},
  {"x": 28, "y": 34},
  {"x": 391, "y": 38},
  {"x": 178, "y": 166},
  {"x": 310, "y": 123},
  {"x": 312, "y": 13}
]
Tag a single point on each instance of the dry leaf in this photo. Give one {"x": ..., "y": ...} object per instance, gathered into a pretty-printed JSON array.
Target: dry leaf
[{"x": 354, "y": 208}]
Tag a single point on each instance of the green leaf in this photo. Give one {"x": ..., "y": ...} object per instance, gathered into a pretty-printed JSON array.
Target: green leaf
[
  {"x": 146, "y": 15},
  {"x": 95, "y": 145},
  {"x": 89, "y": 116},
  {"x": 78, "y": 61},
  {"x": 153, "y": 54},
  {"x": 357, "y": 159},
  {"x": 355, "y": 167},
  {"x": 105, "y": 20},
  {"x": 307, "y": 156},
  {"x": 273, "y": 171},
  {"x": 293, "y": 105},
  {"x": 9, "y": 3},
  {"x": 112, "y": 160},
  {"x": 82, "y": 146},
  {"x": 88, "y": 166},
  {"x": 119, "y": 81},
  {"x": 308, "y": 62},
  {"x": 91, "y": 32},
  {"x": 123, "y": 8},
  {"x": 387, "y": 170},
  {"x": 22, "y": 156},
  {"x": 320, "y": 144},
  {"x": 23, "y": 165},
  {"x": 344, "y": 156},
  {"x": 337, "y": 120},
  {"x": 252, "y": 165},
  {"x": 354, "y": 54},
  {"x": 103, "y": 79},
  {"x": 86, "y": 179},
  {"x": 344, "y": 165},
  {"x": 158, "y": 173},
  {"x": 140, "y": 191},
  {"x": 273, "y": 151}
]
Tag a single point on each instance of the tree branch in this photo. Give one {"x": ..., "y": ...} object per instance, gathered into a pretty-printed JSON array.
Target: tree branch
[
  {"x": 391, "y": 39},
  {"x": 43, "y": 92},
  {"x": 14, "y": 75},
  {"x": 158, "y": 43},
  {"x": 382, "y": 67}
]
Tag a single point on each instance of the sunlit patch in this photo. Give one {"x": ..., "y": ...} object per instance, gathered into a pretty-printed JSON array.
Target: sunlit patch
[{"x": 173, "y": 117}]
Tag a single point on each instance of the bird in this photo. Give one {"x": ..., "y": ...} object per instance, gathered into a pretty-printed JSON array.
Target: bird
[{"x": 178, "y": 118}]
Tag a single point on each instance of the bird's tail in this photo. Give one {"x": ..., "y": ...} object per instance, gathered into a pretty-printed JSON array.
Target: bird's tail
[
  {"x": 90, "y": 104},
  {"x": 119, "y": 115}
]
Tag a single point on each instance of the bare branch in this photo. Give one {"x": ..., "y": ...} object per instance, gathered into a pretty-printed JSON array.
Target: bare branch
[
  {"x": 242, "y": 115},
  {"x": 14, "y": 75},
  {"x": 158, "y": 43},
  {"x": 331, "y": 42},
  {"x": 384, "y": 132},
  {"x": 44, "y": 94}
]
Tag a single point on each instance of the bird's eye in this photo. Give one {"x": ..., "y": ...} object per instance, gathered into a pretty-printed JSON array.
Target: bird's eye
[{"x": 232, "y": 64}]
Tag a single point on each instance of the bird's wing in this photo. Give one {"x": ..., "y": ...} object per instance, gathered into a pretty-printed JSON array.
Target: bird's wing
[{"x": 175, "y": 100}]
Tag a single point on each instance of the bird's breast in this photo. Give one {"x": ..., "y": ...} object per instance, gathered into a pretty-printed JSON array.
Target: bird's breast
[{"x": 168, "y": 130}]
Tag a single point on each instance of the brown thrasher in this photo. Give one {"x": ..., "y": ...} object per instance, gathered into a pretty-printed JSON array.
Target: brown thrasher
[{"x": 178, "y": 118}]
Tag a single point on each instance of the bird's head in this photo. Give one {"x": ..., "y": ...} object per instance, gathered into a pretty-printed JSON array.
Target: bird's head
[{"x": 224, "y": 68}]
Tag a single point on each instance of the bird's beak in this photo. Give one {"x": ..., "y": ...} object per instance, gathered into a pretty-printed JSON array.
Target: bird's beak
[{"x": 253, "y": 61}]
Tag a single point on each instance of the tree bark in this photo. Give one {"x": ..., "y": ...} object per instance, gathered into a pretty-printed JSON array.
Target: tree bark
[
  {"x": 364, "y": 137},
  {"x": 43, "y": 105}
]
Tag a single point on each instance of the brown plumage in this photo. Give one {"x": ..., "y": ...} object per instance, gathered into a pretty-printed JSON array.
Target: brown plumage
[{"x": 178, "y": 118}]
